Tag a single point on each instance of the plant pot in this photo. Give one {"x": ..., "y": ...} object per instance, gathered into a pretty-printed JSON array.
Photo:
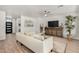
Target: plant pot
[{"x": 69, "y": 37}]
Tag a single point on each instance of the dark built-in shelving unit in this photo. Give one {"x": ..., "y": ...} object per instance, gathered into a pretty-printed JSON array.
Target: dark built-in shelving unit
[{"x": 8, "y": 27}]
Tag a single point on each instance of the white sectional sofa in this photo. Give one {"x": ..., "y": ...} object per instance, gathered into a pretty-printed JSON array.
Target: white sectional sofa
[{"x": 35, "y": 42}]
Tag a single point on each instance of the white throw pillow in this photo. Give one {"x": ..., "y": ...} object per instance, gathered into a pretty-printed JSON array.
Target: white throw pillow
[
  {"x": 38, "y": 37},
  {"x": 29, "y": 33}
]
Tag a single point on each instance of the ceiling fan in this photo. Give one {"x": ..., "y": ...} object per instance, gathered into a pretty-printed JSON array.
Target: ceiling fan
[{"x": 48, "y": 12}]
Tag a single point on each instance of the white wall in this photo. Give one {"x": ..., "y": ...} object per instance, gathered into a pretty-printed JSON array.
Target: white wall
[
  {"x": 13, "y": 25},
  {"x": 2, "y": 25},
  {"x": 36, "y": 23},
  {"x": 78, "y": 27},
  {"x": 76, "y": 36},
  {"x": 18, "y": 21}
]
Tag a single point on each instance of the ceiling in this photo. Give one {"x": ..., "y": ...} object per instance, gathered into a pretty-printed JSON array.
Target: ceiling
[{"x": 35, "y": 10}]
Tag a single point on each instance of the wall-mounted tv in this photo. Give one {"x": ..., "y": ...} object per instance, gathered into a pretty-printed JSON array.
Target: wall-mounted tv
[{"x": 53, "y": 23}]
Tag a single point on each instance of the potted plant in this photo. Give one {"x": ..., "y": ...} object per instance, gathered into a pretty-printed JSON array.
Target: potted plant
[{"x": 69, "y": 25}]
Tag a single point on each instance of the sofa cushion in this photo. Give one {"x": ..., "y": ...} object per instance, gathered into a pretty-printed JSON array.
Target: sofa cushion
[
  {"x": 38, "y": 37},
  {"x": 29, "y": 33}
]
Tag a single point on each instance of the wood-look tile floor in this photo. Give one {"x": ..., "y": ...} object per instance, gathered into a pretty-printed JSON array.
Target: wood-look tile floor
[
  {"x": 72, "y": 46},
  {"x": 11, "y": 46}
]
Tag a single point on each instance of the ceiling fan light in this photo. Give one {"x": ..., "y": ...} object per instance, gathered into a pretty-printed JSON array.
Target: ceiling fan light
[{"x": 45, "y": 15}]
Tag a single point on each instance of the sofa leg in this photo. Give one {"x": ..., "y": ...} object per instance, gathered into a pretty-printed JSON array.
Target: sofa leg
[
  {"x": 19, "y": 42},
  {"x": 51, "y": 50}
]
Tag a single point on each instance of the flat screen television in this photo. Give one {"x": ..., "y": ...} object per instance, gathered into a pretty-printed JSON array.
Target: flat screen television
[{"x": 53, "y": 23}]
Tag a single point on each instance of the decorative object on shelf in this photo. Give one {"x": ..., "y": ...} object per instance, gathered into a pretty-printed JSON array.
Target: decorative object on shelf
[
  {"x": 42, "y": 28},
  {"x": 61, "y": 25}
]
